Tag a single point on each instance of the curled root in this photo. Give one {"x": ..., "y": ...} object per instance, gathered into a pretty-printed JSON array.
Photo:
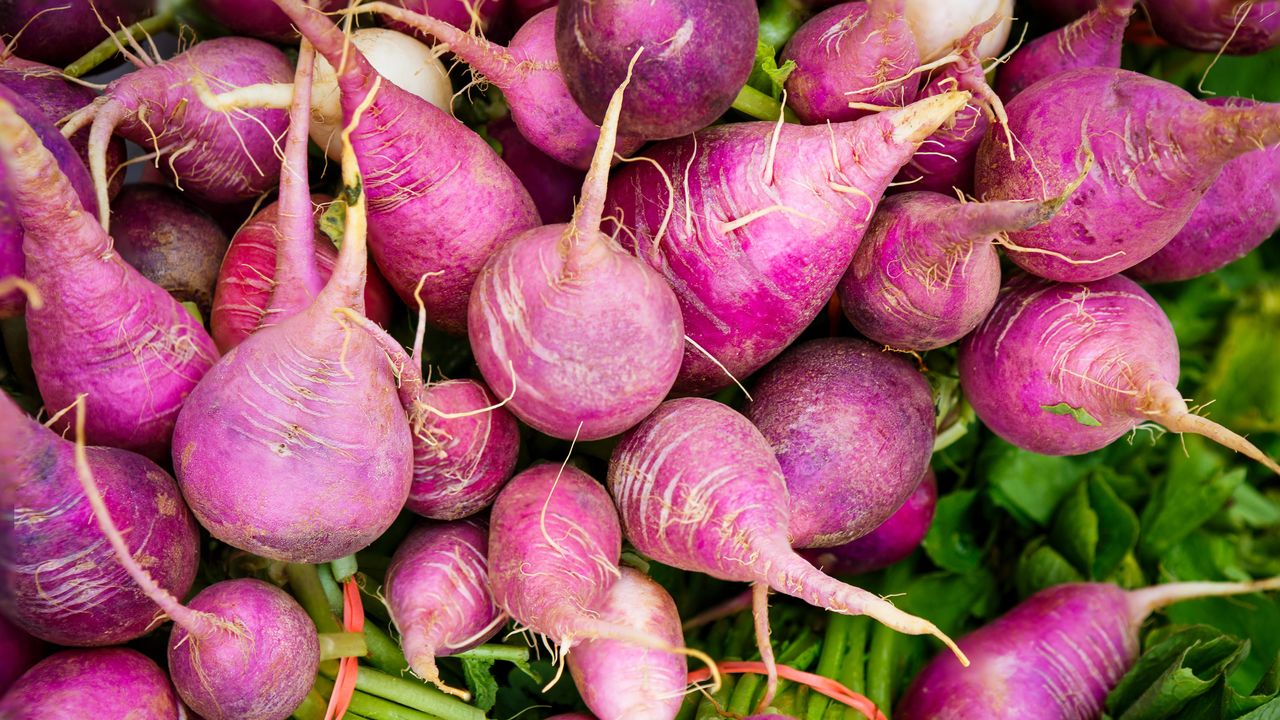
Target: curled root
[{"x": 35, "y": 300}]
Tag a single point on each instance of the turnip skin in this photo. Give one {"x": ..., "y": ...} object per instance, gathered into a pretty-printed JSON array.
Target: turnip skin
[
  {"x": 552, "y": 186},
  {"x": 1157, "y": 150},
  {"x": 258, "y": 18},
  {"x": 1064, "y": 11},
  {"x": 59, "y": 33},
  {"x": 1240, "y": 210},
  {"x": 1232, "y": 26},
  {"x": 97, "y": 683},
  {"x": 852, "y": 427},
  {"x": 1093, "y": 40},
  {"x": 938, "y": 26},
  {"x": 747, "y": 293},
  {"x": 457, "y": 13},
  {"x": 892, "y": 541},
  {"x": 18, "y": 652},
  {"x": 708, "y": 48}
]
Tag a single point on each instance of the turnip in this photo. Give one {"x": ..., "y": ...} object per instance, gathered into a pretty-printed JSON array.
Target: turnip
[
  {"x": 525, "y": 9},
  {"x": 309, "y": 403},
  {"x": 437, "y": 590},
  {"x": 61, "y": 582},
  {"x": 937, "y": 26},
  {"x": 1236, "y": 27},
  {"x": 12, "y": 261},
  {"x": 846, "y": 48},
  {"x": 529, "y": 76},
  {"x": 893, "y": 540},
  {"x": 760, "y": 224},
  {"x": 1157, "y": 149},
  {"x": 57, "y": 33},
  {"x": 698, "y": 488},
  {"x": 1240, "y": 210},
  {"x": 700, "y": 55},
  {"x": 18, "y": 652},
  {"x": 552, "y": 185},
  {"x": 1057, "y": 654},
  {"x": 99, "y": 683},
  {"x": 927, "y": 271},
  {"x": 170, "y": 241},
  {"x": 104, "y": 330},
  {"x": 1094, "y": 40},
  {"x": 440, "y": 199},
  {"x": 619, "y": 681},
  {"x": 221, "y": 157},
  {"x": 1063, "y": 11},
  {"x": 258, "y": 18},
  {"x": 462, "y": 14},
  {"x": 585, "y": 339},
  {"x": 852, "y": 427},
  {"x": 1067, "y": 368}
]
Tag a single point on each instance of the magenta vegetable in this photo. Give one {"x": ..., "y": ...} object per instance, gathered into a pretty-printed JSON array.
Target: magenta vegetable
[
  {"x": 619, "y": 681},
  {"x": 437, "y": 590},
  {"x": 1063, "y": 11},
  {"x": 18, "y": 652},
  {"x": 855, "y": 52},
  {"x": 552, "y": 186},
  {"x": 1237, "y": 27},
  {"x": 1240, "y": 210},
  {"x": 105, "y": 330},
  {"x": 760, "y": 225},
  {"x": 1094, "y": 40},
  {"x": 893, "y": 540},
  {"x": 852, "y": 427},
  {"x": 58, "y": 33},
  {"x": 1067, "y": 368},
  {"x": 99, "y": 683},
  {"x": 460, "y": 14},
  {"x": 584, "y": 338},
  {"x": 463, "y": 201},
  {"x": 699, "y": 56},
  {"x": 221, "y": 157},
  {"x": 1157, "y": 150},
  {"x": 259, "y": 18},
  {"x": 1055, "y": 655}
]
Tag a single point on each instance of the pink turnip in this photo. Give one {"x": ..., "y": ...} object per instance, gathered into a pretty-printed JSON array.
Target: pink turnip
[
  {"x": 98, "y": 683},
  {"x": 552, "y": 185},
  {"x": 1237, "y": 27},
  {"x": 1094, "y": 40},
  {"x": 893, "y": 540},
  {"x": 18, "y": 652},
  {"x": 61, "y": 32},
  {"x": 258, "y": 18}
]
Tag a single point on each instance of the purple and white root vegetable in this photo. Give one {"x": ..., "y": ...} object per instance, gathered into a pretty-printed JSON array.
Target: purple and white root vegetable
[
  {"x": 61, "y": 32},
  {"x": 937, "y": 26},
  {"x": 258, "y": 18},
  {"x": 437, "y": 590},
  {"x": 18, "y": 652},
  {"x": 852, "y": 428},
  {"x": 893, "y": 540},
  {"x": 1093, "y": 40},
  {"x": 753, "y": 224},
  {"x": 1055, "y": 655},
  {"x": 1236, "y": 27},
  {"x": 99, "y": 683},
  {"x": 552, "y": 185},
  {"x": 1067, "y": 368}
]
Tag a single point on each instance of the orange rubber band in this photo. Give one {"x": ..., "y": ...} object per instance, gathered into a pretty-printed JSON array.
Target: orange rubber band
[
  {"x": 344, "y": 685},
  {"x": 824, "y": 685}
]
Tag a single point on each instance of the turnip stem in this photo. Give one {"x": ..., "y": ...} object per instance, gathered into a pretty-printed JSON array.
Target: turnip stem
[
  {"x": 829, "y": 661},
  {"x": 510, "y": 653},
  {"x": 344, "y": 568},
  {"x": 332, "y": 590},
  {"x": 375, "y": 708},
  {"x": 411, "y": 694},
  {"x": 756, "y": 104},
  {"x": 304, "y": 582},
  {"x": 107, "y": 49},
  {"x": 340, "y": 645},
  {"x": 384, "y": 653}
]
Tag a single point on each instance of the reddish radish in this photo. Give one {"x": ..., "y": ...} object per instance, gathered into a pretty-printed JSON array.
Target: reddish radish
[
  {"x": 760, "y": 224},
  {"x": 1093, "y": 40},
  {"x": 1068, "y": 368},
  {"x": 891, "y": 541},
  {"x": 102, "y": 683}
]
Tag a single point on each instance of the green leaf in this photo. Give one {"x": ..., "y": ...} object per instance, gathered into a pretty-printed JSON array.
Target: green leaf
[
  {"x": 194, "y": 311},
  {"x": 1081, "y": 415},
  {"x": 478, "y": 673},
  {"x": 1256, "y": 617},
  {"x": 1040, "y": 566},
  {"x": 1250, "y": 508},
  {"x": 1074, "y": 533},
  {"x": 767, "y": 76},
  {"x": 333, "y": 222},
  {"x": 1248, "y": 346},
  {"x": 1181, "y": 666},
  {"x": 1195, "y": 487},
  {"x": 1117, "y": 528},
  {"x": 952, "y": 541},
  {"x": 1028, "y": 485}
]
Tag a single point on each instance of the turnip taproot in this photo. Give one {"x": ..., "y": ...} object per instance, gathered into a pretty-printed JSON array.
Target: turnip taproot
[
  {"x": 1093, "y": 40},
  {"x": 1055, "y": 655},
  {"x": 846, "y": 48},
  {"x": 61, "y": 582},
  {"x": 753, "y": 224},
  {"x": 1067, "y": 368},
  {"x": 1236, "y": 27},
  {"x": 584, "y": 338},
  {"x": 222, "y": 157},
  {"x": 1157, "y": 149},
  {"x": 893, "y": 540},
  {"x": 437, "y": 590},
  {"x": 104, "y": 330},
  {"x": 852, "y": 427},
  {"x": 98, "y": 683},
  {"x": 1240, "y": 210},
  {"x": 700, "y": 54}
]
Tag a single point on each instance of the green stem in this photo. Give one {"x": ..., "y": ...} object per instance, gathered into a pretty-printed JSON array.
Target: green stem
[
  {"x": 883, "y": 664},
  {"x": 344, "y": 568},
  {"x": 756, "y": 104},
  {"x": 375, "y": 708},
  {"x": 779, "y": 20},
  {"x": 107, "y": 49},
  {"x": 341, "y": 645},
  {"x": 384, "y": 653},
  {"x": 332, "y": 590},
  {"x": 829, "y": 661},
  {"x": 411, "y": 693},
  {"x": 305, "y": 584},
  {"x": 312, "y": 708},
  {"x": 510, "y": 653},
  {"x": 853, "y": 665}
]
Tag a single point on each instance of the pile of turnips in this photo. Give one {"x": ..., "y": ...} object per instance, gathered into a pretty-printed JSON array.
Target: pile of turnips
[{"x": 244, "y": 361}]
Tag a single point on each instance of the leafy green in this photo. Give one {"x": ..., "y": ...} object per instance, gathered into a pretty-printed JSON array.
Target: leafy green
[
  {"x": 1080, "y": 415},
  {"x": 1181, "y": 667},
  {"x": 952, "y": 542},
  {"x": 478, "y": 673},
  {"x": 1027, "y": 485},
  {"x": 1195, "y": 487}
]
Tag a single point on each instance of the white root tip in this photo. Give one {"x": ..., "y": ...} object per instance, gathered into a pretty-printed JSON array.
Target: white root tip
[{"x": 917, "y": 121}]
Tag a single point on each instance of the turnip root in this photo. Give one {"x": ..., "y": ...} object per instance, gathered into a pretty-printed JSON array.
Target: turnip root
[
  {"x": 529, "y": 76},
  {"x": 1094, "y": 40},
  {"x": 893, "y": 540},
  {"x": 1240, "y": 210},
  {"x": 585, "y": 339},
  {"x": 1067, "y": 368},
  {"x": 1056, "y": 655},
  {"x": 437, "y": 590},
  {"x": 99, "y": 683},
  {"x": 61, "y": 582},
  {"x": 327, "y": 427},
  {"x": 847, "y": 48},
  {"x": 698, "y": 488},
  {"x": 1236, "y": 27},
  {"x": 104, "y": 330},
  {"x": 258, "y": 18},
  {"x": 552, "y": 185},
  {"x": 700, "y": 55},
  {"x": 619, "y": 681},
  {"x": 927, "y": 271},
  {"x": 57, "y": 33},
  {"x": 222, "y": 157},
  {"x": 1157, "y": 148},
  {"x": 18, "y": 652},
  {"x": 170, "y": 241},
  {"x": 760, "y": 224},
  {"x": 440, "y": 199},
  {"x": 852, "y": 427},
  {"x": 937, "y": 26}
]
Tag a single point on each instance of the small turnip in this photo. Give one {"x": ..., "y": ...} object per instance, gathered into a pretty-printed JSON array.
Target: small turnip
[
  {"x": 893, "y": 540},
  {"x": 1094, "y": 40},
  {"x": 98, "y": 683}
]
